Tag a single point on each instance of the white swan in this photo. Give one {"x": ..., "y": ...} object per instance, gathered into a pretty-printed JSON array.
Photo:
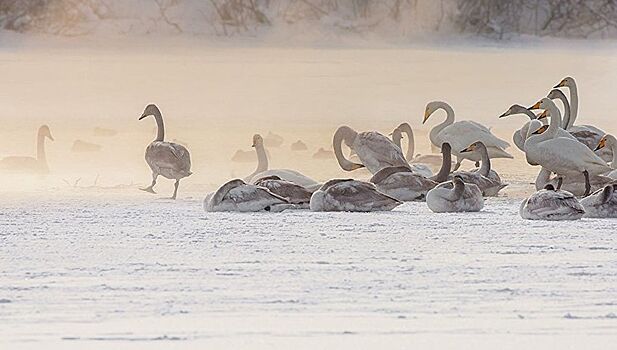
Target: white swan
[
  {"x": 374, "y": 150},
  {"x": 455, "y": 196},
  {"x": 405, "y": 185},
  {"x": 602, "y": 203},
  {"x": 236, "y": 195},
  {"x": 294, "y": 193},
  {"x": 36, "y": 165},
  {"x": 487, "y": 180},
  {"x": 284, "y": 174},
  {"x": 351, "y": 195},
  {"x": 416, "y": 166},
  {"x": 609, "y": 141},
  {"x": 551, "y": 204},
  {"x": 463, "y": 133},
  {"x": 167, "y": 159},
  {"x": 563, "y": 156}
]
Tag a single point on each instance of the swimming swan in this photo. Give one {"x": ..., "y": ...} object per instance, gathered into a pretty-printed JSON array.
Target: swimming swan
[
  {"x": 463, "y": 133},
  {"x": 455, "y": 196},
  {"x": 284, "y": 174},
  {"x": 405, "y": 185},
  {"x": 351, "y": 195},
  {"x": 236, "y": 195},
  {"x": 602, "y": 203},
  {"x": 416, "y": 166},
  {"x": 36, "y": 164},
  {"x": 551, "y": 204},
  {"x": 374, "y": 150},
  {"x": 562, "y": 156},
  {"x": 167, "y": 159}
]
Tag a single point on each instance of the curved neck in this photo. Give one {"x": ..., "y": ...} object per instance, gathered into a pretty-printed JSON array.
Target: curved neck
[
  {"x": 542, "y": 179},
  {"x": 449, "y": 120},
  {"x": 347, "y": 134},
  {"x": 406, "y": 128},
  {"x": 218, "y": 196},
  {"x": 522, "y": 110},
  {"x": 566, "y": 108},
  {"x": 612, "y": 144},
  {"x": 573, "y": 104},
  {"x": 40, "y": 148},
  {"x": 485, "y": 167},
  {"x": 446, "y": 164},
  {"x": 262, "y": 158},
  {"x": 457, "y": 191},
  {"x": 160, "y": 133}
]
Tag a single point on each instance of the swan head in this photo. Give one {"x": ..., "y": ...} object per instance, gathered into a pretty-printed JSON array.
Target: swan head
[
  {"x": 536, "y": 128},
  {"x": 397, "y": 134},
  {"x": 544, "y": 103},
  {"x": 257, "y": 140},
  {"x": 543, "y": 115},
  {"x": 473, "y": 147},
  {"x": 565, "y": 82},
  {"x": 514, "y": 109},
  {"x": 549, "y": 187},
  {"x": 151, "y": 109},
  {"x": 458, "y": 180},
  {"x": 601, "y": 144},
  {"x": 432, "y": 107},
  {"x": 45, "y": 132}
]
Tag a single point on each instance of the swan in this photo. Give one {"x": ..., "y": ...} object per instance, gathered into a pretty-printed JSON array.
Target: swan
[
  {"x": 236, "y": 195},
  {"x": 487, "y": 180},
  {"x": 551, "y": 204},
  {"x": 463, "y": 133},
  {"x": 405, "y": 185},
  {"x": 167, "y": 159},
  {"x": 416, "y": 167},
  {"x": 295, "y": 194},
  {"x": 573, "y": 184},
  {"x": 351, "y": 195},
  {"x": 455, "y": 196},
  {"x": 609, "y": 141},
  {"x": 284, "y": 174},
  {"x": 563, "y": 156},
  {"x": 36, "y": 164},
  {"x": 519, "y": 135},
  {"x": 602, "y": 203},
  {"x": 374, "y": 150}
]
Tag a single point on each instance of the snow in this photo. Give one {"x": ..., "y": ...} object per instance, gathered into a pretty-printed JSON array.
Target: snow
[{"x": 92, "y": 269}]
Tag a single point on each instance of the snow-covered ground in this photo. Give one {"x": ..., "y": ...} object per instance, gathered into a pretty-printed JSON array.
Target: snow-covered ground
[{"x": 125, "y": 270}]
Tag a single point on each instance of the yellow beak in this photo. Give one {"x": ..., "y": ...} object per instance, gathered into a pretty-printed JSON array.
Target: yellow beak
[
  {"x": 426, "y": 115},
  {"x": 536, "y": 106}
]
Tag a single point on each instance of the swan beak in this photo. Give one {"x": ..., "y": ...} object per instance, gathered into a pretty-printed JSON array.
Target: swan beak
[
  {"x": 426, "y": 115},
  {"x": 468, "y": 149},
  {"x": 540, "y": 130},
  {"x": 253, "y": 145},
  {"x": 601, "y": 145},
  {"x": 142, "y": 117},
  {"x": 535, "y": 106},
  {"x": 356, "y": 166},
  {"x": 543, "y": 114},
  {"x": 561, "y": 84},
  {"x": 505, "y": 114}
]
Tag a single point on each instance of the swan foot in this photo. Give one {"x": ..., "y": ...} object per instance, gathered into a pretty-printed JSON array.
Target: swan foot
[
  {"x": 175, "y": 190},
  {"x": 559, "y": 182},
  {"x": 587, "y": 184},
  {"x": 148, "y": 189}
]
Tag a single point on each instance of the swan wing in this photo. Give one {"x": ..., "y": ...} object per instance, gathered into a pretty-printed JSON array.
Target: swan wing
[
  {"x": 169, "y": 155},
  {"x": 463, "y": 133},
  {"x": 377, "y": 151},
  {"x": 362, "y": 196}
]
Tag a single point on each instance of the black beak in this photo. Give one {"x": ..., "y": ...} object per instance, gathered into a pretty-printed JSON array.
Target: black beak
[
  {"x": 505, "y": 114},
  {"x": 142, "y": 116}
]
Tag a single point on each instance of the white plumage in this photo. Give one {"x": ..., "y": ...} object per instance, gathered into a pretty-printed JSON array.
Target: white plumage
[
  {"x": 551, "y": 204},
  {"x": 455, "y": 196},
  {"x": 236, "y": 195}
]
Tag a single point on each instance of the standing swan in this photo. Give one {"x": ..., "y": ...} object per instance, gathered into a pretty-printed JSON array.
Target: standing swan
[
  {"x": 463, "y": 133},
  {"x": 168, "y": 159},
  {"x": 351, "y": 195},
  {"x": 374, "y": 150},
  {"x": 283, "y": 174},
  {"x": 236, "y": 195},
  {"x": 455, "y": 196},
  {"x": 602, "y": 203},
  {"x": 610, "y": 142},
  {"x": 551, "y": 204},
  {"x": 520, "y": 135},
  {"x": 416, "y": 166},
  {"x": 560, "y": 155},
  {"x": 36, "y": 164}
]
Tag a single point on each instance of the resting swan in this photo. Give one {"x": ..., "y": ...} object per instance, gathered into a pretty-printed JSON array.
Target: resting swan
[
  {"x": 405, "y": 185},
  {"x": 168, "y": 159},
  {"x": 563, "y": 156},
  {"x": 416, "y": 165},
  {"x": 463, "y": 133},
  {"x": 455, "y": 196},
  {"x": 294, "y": 193},
  {"x": 284, "y": 174},
  {"x": 602, "y": 203},
  {"x": 487, "y": 180},
  {"x": 38, "y": 164},
  {"x": 609, "y": 141},
  {"x": 351, "y": 195},
  {"x": 374, "y": 150},
  {"x": 236, "y": 195},
  {"x": 551, "y": 204}
]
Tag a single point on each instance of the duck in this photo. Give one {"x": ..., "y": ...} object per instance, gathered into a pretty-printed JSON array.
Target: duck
[
  {"x": 167, "y": 159},
  {"x": 238, "y": 196},
  {"x": 455, "y": 196},
  {"x": 351, "y": 196},
  {"x": 405, "y": 185},
  {"x": 33, "y": 165},
  {"x": 463, "y": 133},
  {"x": 602, "y": 203},
  {"x": 552, "y": 204}
]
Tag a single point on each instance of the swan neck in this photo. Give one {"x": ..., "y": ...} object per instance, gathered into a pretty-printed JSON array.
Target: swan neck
[
  {"x": 542, "y": 179},
  {"x": 40, "y": 148},
  {"x": 406, "y": 128},
  {"x": 457, "y": 191},
  {"x": 573, "y": 105},
  {"x": 446, "y": 165},
  {"x": 262, "y": 158},
  {"x": 449, "y": 120},
  {"x": 348, "y": 135},
  {"x": 160, "y": 126},
  {"x": 566, "y": 111},
  {"x": 555, "y": 123},
  {"x": 485, "y": 167},
  {"x": 613, "y": 147}
]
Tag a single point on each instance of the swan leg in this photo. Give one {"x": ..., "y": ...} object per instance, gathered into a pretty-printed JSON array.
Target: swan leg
[
  {"x": 458, "y": 164},
  {"x": 587, "y": 184},
  {"x": 175, "y": 189},
  {"x": 559, "y": 182},
  {"x": 477, "y": 164},
  {"x": 151, "y": 187}
]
